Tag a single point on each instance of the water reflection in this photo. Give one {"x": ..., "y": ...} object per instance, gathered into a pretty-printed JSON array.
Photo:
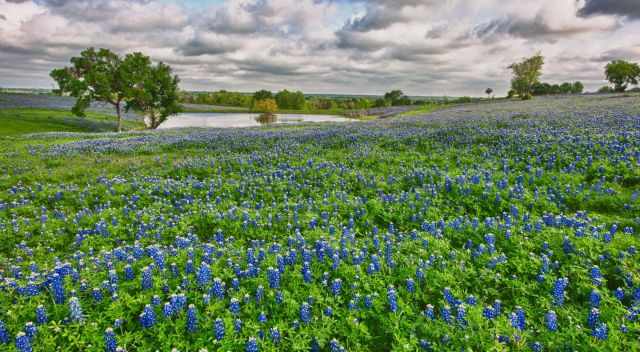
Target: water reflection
[
  {"x": 267, "y": 118},
  {"x": 224, "y": 120}
]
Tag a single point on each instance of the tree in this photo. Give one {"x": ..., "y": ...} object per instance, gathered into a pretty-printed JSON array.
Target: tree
[
  {"x": 622, "y": 73},
  {"x": 156, "y": 95},
  {"x": 129, "y": 83},
  {"x": 566, "y": 88},
  {"x": 94, "y": 76},
  {"x": 577, "y": 88},
  {"x": 488, "y": 92},
  {"x": 266, "y": 106},
  {"x": 525, "y": 75},
  {"x": 604, "y": 90}
]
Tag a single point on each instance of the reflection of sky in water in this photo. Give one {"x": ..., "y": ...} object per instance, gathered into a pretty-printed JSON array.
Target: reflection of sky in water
[{"x": 220, "y": 120}]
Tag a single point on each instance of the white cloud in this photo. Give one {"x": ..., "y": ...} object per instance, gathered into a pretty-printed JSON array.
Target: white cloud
[{"x": 421, "y": 46}]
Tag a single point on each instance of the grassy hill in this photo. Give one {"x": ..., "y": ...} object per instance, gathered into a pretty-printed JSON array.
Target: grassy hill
[{"x": 27, "y": 120}]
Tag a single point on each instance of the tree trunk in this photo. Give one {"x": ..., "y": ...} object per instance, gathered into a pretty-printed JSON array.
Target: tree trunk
[{"x": 119, "y": 117}]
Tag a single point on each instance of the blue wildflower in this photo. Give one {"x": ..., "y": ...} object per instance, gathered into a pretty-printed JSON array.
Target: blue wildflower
[
  {"x": 192, "y": 319},
  {"x": 148, "y": 317},
  {"x": 41, "y": 315},
  {"x": 594, "y": 318},
  {"x": 305, "y": 312},
  {"x": 218, "y": 326},
  {"x": 23, "y": 344},
  {"x": 251, "y": 345},
  {"x": 392, "y": 298},
  {"x": 336, "y": 287},
  {"x": 601, "y": 331},
  {"x": 110, "y": 344},
  {"x": 275, "y": 335},
  {"x": 234, "y": 306},
  {"x": 76, "y": 310},
  {"x": 551, "y": 321}
]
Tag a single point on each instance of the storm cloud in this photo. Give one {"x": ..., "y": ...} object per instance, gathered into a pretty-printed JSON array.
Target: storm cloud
[
  {"x": 425, "y": 47},
  {"x": 624, "y": 8}
]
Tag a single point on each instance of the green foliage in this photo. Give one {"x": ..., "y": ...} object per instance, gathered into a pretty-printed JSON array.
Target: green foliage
[
  {"x": 525, "y": 75},
  {"x": 156, "y": 96},
  {"x": 541, "y": 88},
  {"x": 268, "y": 106},
  {"x": 290, "y": 100},
  {"x": 622, "y": 74},
  {"x": 105, "y": 77},
  {"x": 222, "y": 97}
]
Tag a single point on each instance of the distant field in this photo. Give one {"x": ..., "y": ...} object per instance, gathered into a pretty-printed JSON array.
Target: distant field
[{"x": 26, "y": 120}]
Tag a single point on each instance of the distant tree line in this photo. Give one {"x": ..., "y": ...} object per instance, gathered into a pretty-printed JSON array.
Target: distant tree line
[
  {"x": 295, "y": 100},
  {"x": 542, "y": 88},
  {"x": 526, "y": 79}
]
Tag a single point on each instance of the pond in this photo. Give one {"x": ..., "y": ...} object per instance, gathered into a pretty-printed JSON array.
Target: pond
[{"x": 231, "y": 120}]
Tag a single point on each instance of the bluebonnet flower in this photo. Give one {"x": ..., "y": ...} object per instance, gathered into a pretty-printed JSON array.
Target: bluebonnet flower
[
  {"x": 619, "y": 293},
  {"x": 23, "y": 344},
  {"x": 594, "y": 298},
  {"x": 488, "y": 313},
  {"x": 234, "y": 306},
  {"x": 601, "y": 331},
  {"x": 4, "y": 334},
  {"x": 518, "y": 319},
  {"x": 148, "y": 317},
  {"x": 536, "y": 347},
  {"x": 392, "y": 298},
  {"x": 305, "y": 312},
  {"x": 262, "y": 318},
  {"x": 461, "y": 315},
  {"x": 192, "y": 319},
  {"x": 218, "y": 327},
  {"x": 204, "y": 275},
  {"x": 328, "y": 311},
  {"x": 445, "y": 312},
  {"x": 497, "y": 307},
  {"x": 168, "y": 310},
  {"x": 273, "y": 276},
  {"x": 259, "y": 294},
  {"x": 31, "y": 330},
  {"x": 251, "y": 345},
  {"x": 237, "y": 326},
  {"x": 425, "y": 345},
  {"x": 551, "y": 321},
  {"x": 596, "y": 275},
  {"x": 41, "y": 315},
  {"x": 368, "y": 301},
  {"x": 558, "y": 291},
  {"x": 594, "y": 317},
  {"x": 275, "y": 335},
  {"x": 429, "y": 312},
  {"x": 76, "y": 310},
  {"x": 147, "y": 279},
  {"x": 411, "y": 285},
  {"x": 279, "y": 297},
  {"x": 335, "y": 346},
  {"x": 97, "y": 294},
  {"x": 57, "y": 286},
  {"x": 336, "y": 287},
  {"x": 218, "y": 288},
  {"x": 110, "y": 343},
  {"x": 128, "y": 273}
]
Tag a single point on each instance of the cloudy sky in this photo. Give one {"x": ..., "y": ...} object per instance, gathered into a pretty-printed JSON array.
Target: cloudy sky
[{"x": 425, "y": 47}]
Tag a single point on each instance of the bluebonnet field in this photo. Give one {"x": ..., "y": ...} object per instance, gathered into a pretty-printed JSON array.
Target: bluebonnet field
[{"x": 501, "y": 226}]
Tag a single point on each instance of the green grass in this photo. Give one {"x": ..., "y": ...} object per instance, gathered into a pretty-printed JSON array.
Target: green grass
[
  {"x": 26, "y": 120},
  {"x": 422, "y": 109}
]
